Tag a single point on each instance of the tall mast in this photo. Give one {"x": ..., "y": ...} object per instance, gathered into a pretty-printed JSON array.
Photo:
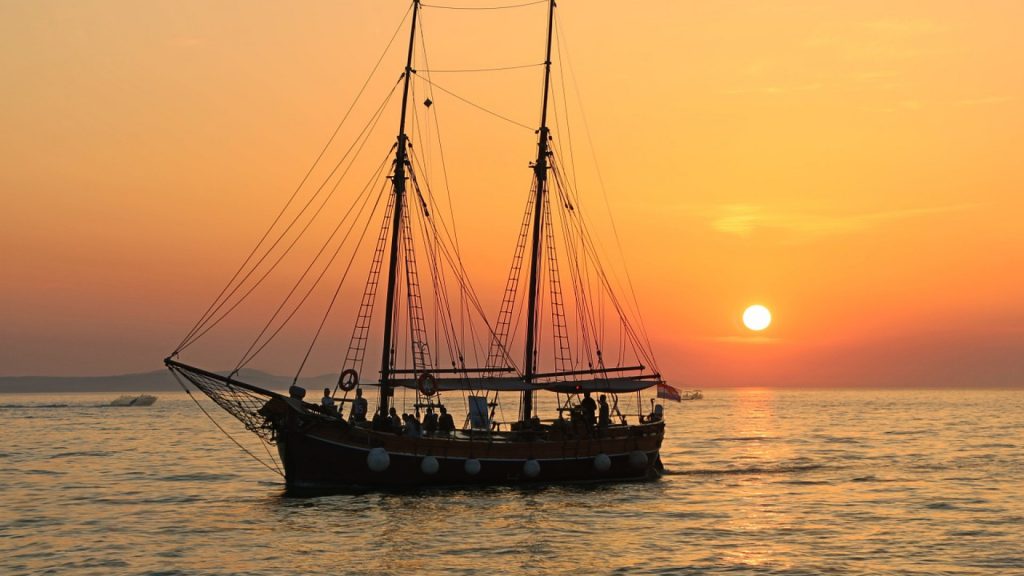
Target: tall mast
[
  {"x": 540, "y": 168},
  {"x": 398, "y": 181}
]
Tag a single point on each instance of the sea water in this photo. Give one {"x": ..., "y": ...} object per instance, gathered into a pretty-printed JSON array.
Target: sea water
[{"x": 759, "y": 481}]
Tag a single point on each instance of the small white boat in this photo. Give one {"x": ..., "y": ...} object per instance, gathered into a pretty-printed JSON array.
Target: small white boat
[{"x": 140, "y": 400}]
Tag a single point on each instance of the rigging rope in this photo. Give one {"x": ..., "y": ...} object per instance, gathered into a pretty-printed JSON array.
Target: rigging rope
[
  {"x": 582, "y": 289},
  {"x": 436, "y": 246},
  {"x": 505, "y": 7},
  {"x": 360, "y": 141},
  {"x": 337, "y": 290},
  {"x": 249, "y": 357},
  {"x": 208, "y": 314},
  {"x": 463, "y": 306},
  {"x": 473, "y": 104},
  {"x": 275, "y": 468},
  {"x": 584, "y": 314},
  {"x": 494, "y": 69},
  {"x": 439, "y": 284},
  {"x": 604, "y": 191},
  {"x": 565, "y": 106}
]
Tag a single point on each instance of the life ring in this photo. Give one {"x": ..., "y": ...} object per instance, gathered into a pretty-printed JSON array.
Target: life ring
[
  {"x": 427, "y": 384},
  {"x": 348, "y": 380}
]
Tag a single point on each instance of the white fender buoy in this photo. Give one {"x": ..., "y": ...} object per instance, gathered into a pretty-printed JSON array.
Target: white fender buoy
[
  {"x": 472, "y": 467},
  {"x": 531, "y": 468},
  {"x": 429, "y": 465},
  {"x": 378, "y": 459},
  {"x": 602, "y": 463},
  {"x": 638, "y": 459}
]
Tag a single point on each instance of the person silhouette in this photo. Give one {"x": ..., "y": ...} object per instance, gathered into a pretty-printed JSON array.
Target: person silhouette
[
  {"x": 327, "y": 402},
  {"x": 430, "y": 421},
  {"x": 604, "y": 419},
  {"x": 445, "y": 422},
  {"x": 589, "y": 409},
  {"x": 359, "y": 408}
]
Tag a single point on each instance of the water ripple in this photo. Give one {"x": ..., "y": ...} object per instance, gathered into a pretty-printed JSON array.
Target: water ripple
[
  {"x": 778, "y": 469},
  {"x": 758, "y": 482}
]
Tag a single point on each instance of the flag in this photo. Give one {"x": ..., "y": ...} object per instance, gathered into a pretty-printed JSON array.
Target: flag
[{"x": 668, "y": 392}]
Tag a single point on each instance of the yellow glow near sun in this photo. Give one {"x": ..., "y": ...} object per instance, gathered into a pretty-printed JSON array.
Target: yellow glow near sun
[{"x": 757, "y": 317}]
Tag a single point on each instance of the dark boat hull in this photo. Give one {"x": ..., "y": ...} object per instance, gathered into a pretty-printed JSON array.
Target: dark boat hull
[{"x": 318, "y": 453}]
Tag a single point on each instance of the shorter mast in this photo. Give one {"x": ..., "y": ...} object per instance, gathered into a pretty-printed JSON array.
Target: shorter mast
[
  {"x": 386, "y": 388},
  {"x": 540, "y": 169}
]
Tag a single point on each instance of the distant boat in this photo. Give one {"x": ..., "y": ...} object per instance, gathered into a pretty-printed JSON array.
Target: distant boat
[
  {"x": 671, "y": 393},
  {"x": 140, "y": 400}
]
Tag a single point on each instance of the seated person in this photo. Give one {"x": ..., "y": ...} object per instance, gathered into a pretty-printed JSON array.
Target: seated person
[
  {"x": 657, "y": 414},
  {"x": 380, "y": 421},
  {"x": 394, "y": 421},
  {"x": 445, "y": 422},
  {"x": 430, "y": 421},
  {"x": 579, "y": 423},
  {"x": 412, "y": 425},
  {"x": 359, "y": 407},
  {"x": 327, "y": 402}
]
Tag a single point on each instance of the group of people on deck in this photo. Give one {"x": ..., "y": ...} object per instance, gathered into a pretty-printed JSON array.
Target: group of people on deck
[
  {"x": 356, "y": 414},
  {"x": 408, "y": 424},
  {"x": 595, "y": 416},
  {"x": 433, "y": 424}
]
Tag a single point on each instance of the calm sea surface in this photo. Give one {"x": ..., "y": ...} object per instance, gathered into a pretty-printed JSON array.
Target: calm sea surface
[{"x": 760, "y": 482}]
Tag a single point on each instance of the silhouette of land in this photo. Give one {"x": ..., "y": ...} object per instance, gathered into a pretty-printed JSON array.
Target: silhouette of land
[{"x": 155, "y": 381}]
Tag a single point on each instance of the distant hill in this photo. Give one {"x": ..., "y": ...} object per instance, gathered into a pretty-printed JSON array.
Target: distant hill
[{"x": 155, "y": 381}]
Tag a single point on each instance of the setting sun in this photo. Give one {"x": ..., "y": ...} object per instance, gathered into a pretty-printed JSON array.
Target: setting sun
[{"x": 757, "y": 317}]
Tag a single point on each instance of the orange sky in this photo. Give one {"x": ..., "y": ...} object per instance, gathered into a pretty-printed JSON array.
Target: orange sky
[{"x": 855, "y": 167}]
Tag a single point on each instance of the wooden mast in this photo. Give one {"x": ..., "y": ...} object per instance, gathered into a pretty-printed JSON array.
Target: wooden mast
[
  {"x": 540, "y": 169},
  {"x": 398, "y": 180}
]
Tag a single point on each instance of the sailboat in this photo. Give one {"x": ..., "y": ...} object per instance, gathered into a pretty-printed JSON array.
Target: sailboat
[{"x": 559, "y": 431}]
